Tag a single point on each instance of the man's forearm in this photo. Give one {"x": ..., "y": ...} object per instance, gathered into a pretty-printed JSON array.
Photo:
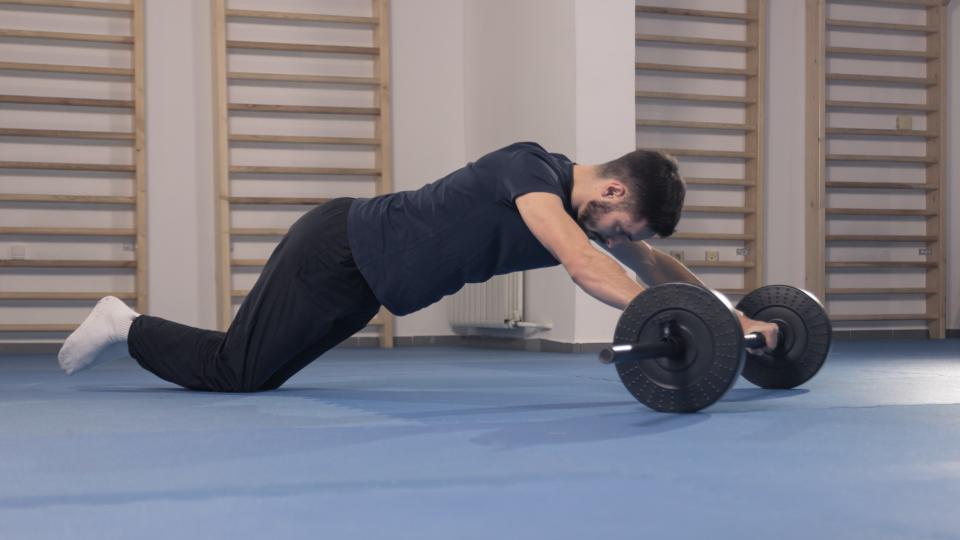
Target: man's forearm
[
  {"x": 654, "y": 267},
  {"x": 605, "y": 280},
  {"x": 677, "y": 271}
]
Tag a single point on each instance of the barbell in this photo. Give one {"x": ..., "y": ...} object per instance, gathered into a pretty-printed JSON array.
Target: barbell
[{"x": 679, "y": 347}]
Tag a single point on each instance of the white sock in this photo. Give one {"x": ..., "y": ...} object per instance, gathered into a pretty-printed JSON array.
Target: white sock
[{"x": 108, "y": 324}]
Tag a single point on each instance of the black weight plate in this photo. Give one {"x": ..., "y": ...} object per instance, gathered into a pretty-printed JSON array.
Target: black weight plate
[
  {"x": 807, "y": 334},
  {"x": 714, "y": 347}
]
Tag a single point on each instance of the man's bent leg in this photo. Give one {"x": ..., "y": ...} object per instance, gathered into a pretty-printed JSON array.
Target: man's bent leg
[{"x": 289, "y": 318}]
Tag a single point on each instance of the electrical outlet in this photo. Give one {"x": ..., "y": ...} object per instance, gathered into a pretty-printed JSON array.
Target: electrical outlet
[
  {"x": 904, "y": 121},
  {"x": 677, "y": 254},
  {"x": 18, "y": 252},
  {"x": 713, "y": 256},
  {"x": 743, "y": 251}
]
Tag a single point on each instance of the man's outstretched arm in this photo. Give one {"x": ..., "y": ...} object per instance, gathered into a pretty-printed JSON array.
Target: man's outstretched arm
[
  {"x": 654, "y": 267},
  {"x": 593, "y": 271}
]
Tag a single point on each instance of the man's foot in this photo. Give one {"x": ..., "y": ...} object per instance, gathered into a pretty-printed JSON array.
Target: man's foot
[{"x": 107, "y": 324}]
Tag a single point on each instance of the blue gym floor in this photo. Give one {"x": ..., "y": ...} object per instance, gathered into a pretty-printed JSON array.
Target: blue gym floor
[{"x": 457, "y": 444}]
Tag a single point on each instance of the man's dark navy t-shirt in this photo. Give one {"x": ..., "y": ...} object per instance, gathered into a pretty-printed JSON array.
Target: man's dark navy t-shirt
[{"x": 415, "y": 247}]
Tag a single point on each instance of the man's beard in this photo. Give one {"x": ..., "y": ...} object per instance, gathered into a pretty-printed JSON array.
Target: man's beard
[{"x": 592, "y": 211}]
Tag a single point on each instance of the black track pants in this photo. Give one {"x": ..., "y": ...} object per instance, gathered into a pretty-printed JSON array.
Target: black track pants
[{"x": 309, "y": 297}]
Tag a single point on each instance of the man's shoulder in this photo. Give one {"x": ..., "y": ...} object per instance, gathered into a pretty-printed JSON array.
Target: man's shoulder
[{"x": 524, "y": 147}]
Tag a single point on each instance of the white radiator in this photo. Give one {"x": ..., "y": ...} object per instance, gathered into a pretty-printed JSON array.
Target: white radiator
[{"x": 497, "y": 303}]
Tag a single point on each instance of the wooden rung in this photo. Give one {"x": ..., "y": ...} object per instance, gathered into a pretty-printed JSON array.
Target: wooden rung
[
  {"x": 695, "y": 125},
  {"x": 683, "y": 40},
  {"x": 718, "y": 182},
  {"x": 63, "y": 263},
  {"x": 706, "y": 153},
  {"x": 710, "y": 236},
  {"x": 30, "y": 295},
  {"x": 880, "y": 238},
  {"x": 63, "y": 68},
  {"x": 42, "y": 328},
  {"x": 83, "y": 199},
  {"x": 876, "y": 105},
  {"x": 878, "y": 290},
  {"x": 704, "y": 70},
  {"x": 291, "y": 77},
  {"x": 303, "y": 17},
  {"x": 104, "y": 6},
  {"x": 719, "y": 264},
  {"x": 734, "y": 292},
  {"x": 881, "y": 79},
  {"x": 698, "y": 13},
  {"x": 718, "y": 209},
  {"x": 882, "y": 132},
  {"x": 888, "y": 317},
  {"x": 678, "y": 96},
  {"x": 319, "y": 171},
  {"x": 880, "y": 185},
  {"x": 248, "y": 263},
  {"x": 878, "y": 212},
  {"x": 843, "y": 23},
  {"x": 302, "y": 47},
  {"x": 66, "y": 231},
  {"x": 78, "y": 102},
  {"x": 880, "y": 264},
  {"x": 67, "y": 134},
  {"x": 53, "y": 166},
  {"x": 67, "y": 36},
  {"x": 889, "y": 53},
  {"x": 900, "y": 3},
  {"x": 253, "y": 231},
  {"x": 311, "y": 109},
  {"x": 882, "y": 159},
  {"x": 291, "y": 139},
  {"x": 301, "y": 201}
]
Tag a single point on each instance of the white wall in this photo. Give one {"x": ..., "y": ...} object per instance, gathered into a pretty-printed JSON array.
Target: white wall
[
  {"x": 784, "y": 168},
  {"x": 605, "y": 109},
  {"x": 428, "y": 114},
  {"x": 179, "y": 109},
  {"x": 519, "y": 85}
]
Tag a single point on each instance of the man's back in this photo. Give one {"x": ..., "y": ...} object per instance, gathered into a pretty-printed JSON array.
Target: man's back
[{"x": 414, "y": 247}]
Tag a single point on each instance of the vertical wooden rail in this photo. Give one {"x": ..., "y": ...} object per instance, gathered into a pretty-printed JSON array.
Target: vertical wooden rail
[
  {"x": 814, "y": 170},
  {"x": 753, "y": 224},
  {"x": 221, "y": 163},
  {"x": 937, "y": 96},
  {"x": 140, "y": 158},
  {"x": 383, "y": 132}
]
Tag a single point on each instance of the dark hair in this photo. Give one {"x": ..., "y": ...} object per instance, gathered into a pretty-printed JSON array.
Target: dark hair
[{"x": 658, "y": 190}]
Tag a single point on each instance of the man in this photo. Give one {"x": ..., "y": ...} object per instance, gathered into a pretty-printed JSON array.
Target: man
[{"x": 517, "y": 208}]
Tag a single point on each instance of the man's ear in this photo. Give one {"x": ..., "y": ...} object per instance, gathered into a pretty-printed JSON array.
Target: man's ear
[{"x": 614, "y": 189}]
